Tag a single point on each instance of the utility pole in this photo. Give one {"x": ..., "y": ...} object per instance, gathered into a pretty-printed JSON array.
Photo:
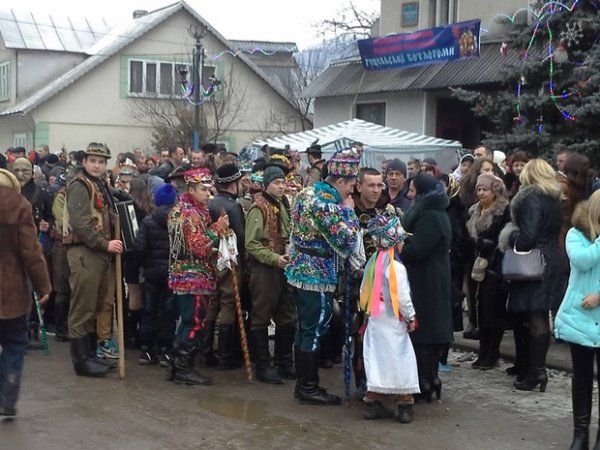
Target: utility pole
[{"x": 198, "y": 62}]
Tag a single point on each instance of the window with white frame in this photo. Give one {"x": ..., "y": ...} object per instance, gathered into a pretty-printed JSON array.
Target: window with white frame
[
  {"x": 148, "y": 78},
  {"x": 4, "y": 81},
  {"x": 20, "y": 140}
]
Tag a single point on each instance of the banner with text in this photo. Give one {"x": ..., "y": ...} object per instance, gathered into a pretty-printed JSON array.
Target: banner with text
[{"x": 434, "y": 45}]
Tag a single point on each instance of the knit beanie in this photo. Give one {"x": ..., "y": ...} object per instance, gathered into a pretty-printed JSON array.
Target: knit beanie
[
  {"x": 165, "y": 195},
  {"x": 272, "y": 173},
  {"x": 397, "y": 165}
]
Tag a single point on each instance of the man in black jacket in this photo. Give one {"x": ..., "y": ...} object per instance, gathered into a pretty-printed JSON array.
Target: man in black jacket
[
  {"x": 225, "y": 202},
  {"x": 175, "y": 159}
]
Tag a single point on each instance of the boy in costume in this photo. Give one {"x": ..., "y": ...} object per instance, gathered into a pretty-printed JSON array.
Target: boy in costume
[
  {"x": 324, "y": 231},
  {"x": 192, "y": 272}
]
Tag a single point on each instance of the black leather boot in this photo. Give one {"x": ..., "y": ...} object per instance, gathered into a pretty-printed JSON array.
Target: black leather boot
[
  {"x": 434, "y": 364},
  {"x": 581, "y": 394},
  {"x": 226, "y": 357},
  {"x": 377, "y": 410},
  {"x": 81, "y": 363},
  {"x": 423, "y": 355},
  {"x": 538, "y": 348},
  {"x": 61, "y": 314},
  {"x": 404, "y": 412},
  {"x": 326, "y": 352},
  {"x": 207, "y": 341},
  {"x": 183, "y": 367},
  {"x": 264, "y": 371},
  {"x": 309, "y": 391},
  {"x": 484, "y": 343},
  {"x": 493, "y": 350},
  {"x": 521, "y": 337},
  {"x": 284, "y": 357}
]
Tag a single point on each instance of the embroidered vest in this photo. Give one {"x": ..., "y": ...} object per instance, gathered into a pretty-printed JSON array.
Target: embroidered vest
[
  {"x": 99, "y": 209},
  {"x": 273, "y": 227}
]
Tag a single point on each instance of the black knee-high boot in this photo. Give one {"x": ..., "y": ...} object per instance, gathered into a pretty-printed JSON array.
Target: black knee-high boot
[
  {"x": 538, "y": 348},
  {"x": 581, "y": 393}
]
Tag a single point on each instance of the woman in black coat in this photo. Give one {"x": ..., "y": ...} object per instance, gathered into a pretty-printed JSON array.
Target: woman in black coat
[
  {"x": 536, "y": 223},
  {"x": 426, "y": 256},
  {"x": 488, "y": 217}
]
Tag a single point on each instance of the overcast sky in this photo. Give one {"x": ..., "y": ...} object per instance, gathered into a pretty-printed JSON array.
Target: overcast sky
[{"x": 269, "y": 20}]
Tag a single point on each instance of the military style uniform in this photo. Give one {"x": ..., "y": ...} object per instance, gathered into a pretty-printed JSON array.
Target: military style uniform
[
  {"x": 267, "y": 233},
  {"x": 88, "y": 227}
]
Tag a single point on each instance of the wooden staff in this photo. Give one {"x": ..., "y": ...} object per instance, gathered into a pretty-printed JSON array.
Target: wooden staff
[
  {"x": 119, "y": 287},
  {"x": 240, "y": 319}
]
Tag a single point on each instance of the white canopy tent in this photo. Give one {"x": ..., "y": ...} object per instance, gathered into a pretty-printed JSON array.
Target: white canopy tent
[{"x": 380, "y": 143}]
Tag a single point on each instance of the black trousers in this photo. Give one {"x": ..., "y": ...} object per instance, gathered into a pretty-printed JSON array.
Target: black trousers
[{"x": 158, "y": 314}]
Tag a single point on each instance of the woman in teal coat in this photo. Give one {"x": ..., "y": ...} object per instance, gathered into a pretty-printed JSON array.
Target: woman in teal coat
[{"x": 578, "y": 319}]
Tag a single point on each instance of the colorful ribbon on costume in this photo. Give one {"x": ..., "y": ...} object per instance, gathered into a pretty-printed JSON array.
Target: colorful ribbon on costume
[{"x": 372, "y": 284}]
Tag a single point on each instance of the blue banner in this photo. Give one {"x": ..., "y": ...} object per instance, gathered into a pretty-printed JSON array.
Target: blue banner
[{"x": 434, "y": 45}]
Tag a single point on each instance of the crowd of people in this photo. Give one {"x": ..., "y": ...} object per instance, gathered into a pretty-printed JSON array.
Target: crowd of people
[{"x": 395, "y": 253}]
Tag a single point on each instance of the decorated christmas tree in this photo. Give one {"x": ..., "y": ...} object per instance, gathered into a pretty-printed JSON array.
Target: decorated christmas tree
[{"x": 549, "y": 99}]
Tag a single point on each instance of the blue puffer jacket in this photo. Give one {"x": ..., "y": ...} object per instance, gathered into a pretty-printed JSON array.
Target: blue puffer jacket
[{"x": 574, "y": 323}]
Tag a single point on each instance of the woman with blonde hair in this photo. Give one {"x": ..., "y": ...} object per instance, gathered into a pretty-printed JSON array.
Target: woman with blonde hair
[
  {"x": 536, "y": 222},
  {"x": 579, "y": 314}
]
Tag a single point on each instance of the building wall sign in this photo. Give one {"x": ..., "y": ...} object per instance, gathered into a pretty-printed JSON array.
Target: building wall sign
[
  {"x": 410, "y": 14},
  {"x": 434, "y": 45}
]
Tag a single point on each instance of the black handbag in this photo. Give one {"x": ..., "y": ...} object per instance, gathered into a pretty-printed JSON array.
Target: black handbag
[{"x": 523, "y": 266}]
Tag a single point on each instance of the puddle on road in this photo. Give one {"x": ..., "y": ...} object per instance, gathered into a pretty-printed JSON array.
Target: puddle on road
[{"x": 253, "y": 412}]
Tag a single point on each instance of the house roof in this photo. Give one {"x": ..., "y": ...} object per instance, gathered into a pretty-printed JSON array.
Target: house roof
[
  {"x": 357, "y": 130},
  {"x": 39, "y": 31},
  {"x": 118, "y": 38},
  {"x": 269, "y": 47},
  {"x": 350, "y": 78}
]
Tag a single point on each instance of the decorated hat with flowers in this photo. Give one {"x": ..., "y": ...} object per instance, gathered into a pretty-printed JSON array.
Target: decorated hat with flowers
[
  {"x": 386, "y": 229},
  {"x": 256, "y": 181},
  {"x": 198, "y": 175},
  {"x": 344, "y": 163}
]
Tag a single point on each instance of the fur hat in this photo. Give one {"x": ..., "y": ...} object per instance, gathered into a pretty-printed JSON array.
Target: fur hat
[
  {"x": 8, "y": 180},
  {"x": 492, "y": 182},
  {"x": 165, "y": 195}
]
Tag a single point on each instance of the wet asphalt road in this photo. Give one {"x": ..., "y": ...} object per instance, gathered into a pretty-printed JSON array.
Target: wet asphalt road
[{"x": 479, "y": 410}]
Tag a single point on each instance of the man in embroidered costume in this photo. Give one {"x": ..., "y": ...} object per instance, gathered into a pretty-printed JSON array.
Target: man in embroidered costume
[
  {"x": 390, "y": 362},
  {"x": 267, "y": 233},
  {"x": 324, "y": 231},
  {"x": 88, "y": 227},
  {"x": 192, "y": 272}
]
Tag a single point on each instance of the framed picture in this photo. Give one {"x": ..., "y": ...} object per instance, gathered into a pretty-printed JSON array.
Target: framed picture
[{"x": 410, "y": 14}]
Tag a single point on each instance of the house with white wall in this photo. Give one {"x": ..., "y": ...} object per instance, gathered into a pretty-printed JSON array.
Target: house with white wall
[
  {"x": 417, "y": 99},
  {"x": 65, "y": 83}
]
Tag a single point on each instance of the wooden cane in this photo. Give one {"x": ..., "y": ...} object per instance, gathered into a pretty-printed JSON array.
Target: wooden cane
[
  {"x": 240, "y": 319},
  {"x": 119, "y": 287}
]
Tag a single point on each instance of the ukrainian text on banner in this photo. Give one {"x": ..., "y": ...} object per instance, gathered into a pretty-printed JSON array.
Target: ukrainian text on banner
[{"x": 434, "y": 45}]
